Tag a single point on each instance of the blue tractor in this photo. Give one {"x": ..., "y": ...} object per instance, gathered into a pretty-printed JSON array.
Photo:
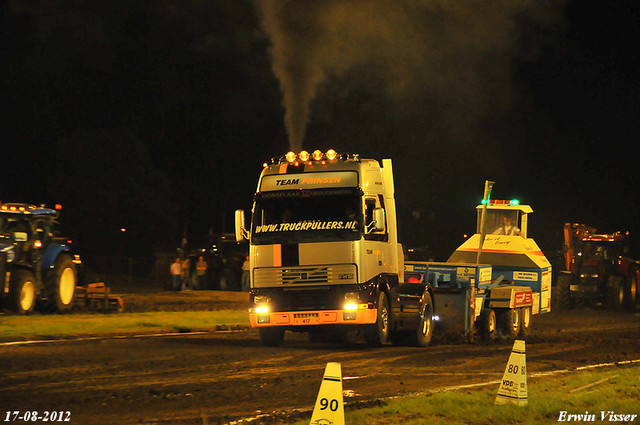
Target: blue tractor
[{"x": 37, "y": 267}]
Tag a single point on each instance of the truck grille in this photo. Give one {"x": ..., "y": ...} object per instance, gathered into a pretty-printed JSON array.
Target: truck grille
[{"x": 322, "y": 275}]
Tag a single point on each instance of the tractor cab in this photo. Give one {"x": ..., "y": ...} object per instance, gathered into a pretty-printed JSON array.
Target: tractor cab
[{"x": 599, "y": 255}]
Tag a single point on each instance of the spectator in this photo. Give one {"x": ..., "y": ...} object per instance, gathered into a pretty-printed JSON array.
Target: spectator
[
  {"x": 186, "y": 275},
  {"x": 176, "y": 275},
  {"x": 201, "y": 270},
  {"x": 246, "y": 280}
]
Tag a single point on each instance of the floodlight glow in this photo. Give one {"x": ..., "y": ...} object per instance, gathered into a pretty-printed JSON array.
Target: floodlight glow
[
  {"x": 317, "y": 155},
  {"x": 290, "y": 156},
  {"x": 304, "y": 156},
  {"x": 331, "y": 154}
]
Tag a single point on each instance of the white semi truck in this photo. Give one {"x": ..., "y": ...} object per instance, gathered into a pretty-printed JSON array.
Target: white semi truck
[{"x": 325, "y": 259}]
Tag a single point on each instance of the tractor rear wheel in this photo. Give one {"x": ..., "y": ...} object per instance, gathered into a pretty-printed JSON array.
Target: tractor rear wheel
[
  {"x": 60, "y": 285},
  {"x": 615, "y": 292},
  {"x": 22, "y": 291}
]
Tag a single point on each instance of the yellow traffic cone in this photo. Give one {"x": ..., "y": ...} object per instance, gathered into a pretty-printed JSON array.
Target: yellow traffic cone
[
  {"x": 513, "y": 388},
  {"x": 329, "y": 408}
]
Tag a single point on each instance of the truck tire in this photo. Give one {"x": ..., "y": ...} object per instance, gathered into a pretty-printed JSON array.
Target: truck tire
[
  {"x": 378, "y": 333},
  {"x": 615, "y": 292},
  {"x": 509, "y": 323},
  {"x": 60, "y": 285},
  {"x": 631, "y": 291},
  {"x": 525, "y": 322},
  {"x": 22, "y": 291},
  {"x": 563, "y": 299},
  {"x": 272, "y": 337},
  {"x": 487, "y": 325},
  {"x": 424, "y": 332}
]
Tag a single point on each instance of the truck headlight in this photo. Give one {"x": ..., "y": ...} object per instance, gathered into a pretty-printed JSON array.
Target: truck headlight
[{"x": 263, "y": 309}]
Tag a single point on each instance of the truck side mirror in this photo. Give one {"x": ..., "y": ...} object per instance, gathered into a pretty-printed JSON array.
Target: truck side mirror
[
  {"x": 241, "y": 232},
  {"x": 377, "y": 225}
]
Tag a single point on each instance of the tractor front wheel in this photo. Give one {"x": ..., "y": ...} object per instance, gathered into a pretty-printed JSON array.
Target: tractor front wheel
[
  {"x": 615, "y": 292},
  {"x": 563, "y": 300},
  {"x": 22, "y": 291},
  {"x": 631, "y": 300}
]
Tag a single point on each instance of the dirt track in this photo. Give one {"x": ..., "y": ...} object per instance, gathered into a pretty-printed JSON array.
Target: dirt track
[{"x": 218, "y": 377}]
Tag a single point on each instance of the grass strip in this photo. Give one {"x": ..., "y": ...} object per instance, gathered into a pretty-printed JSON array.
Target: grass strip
[
  {"x": 58, "y": 326},
  {"x": 552, "y": 399}
]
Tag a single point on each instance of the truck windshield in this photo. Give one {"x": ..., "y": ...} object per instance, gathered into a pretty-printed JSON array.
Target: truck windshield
[{"x": 307, "y": 216}]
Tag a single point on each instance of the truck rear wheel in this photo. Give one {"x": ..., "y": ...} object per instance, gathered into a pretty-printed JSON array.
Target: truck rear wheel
[
  {"x": 22, "y": 291},
  {"x": 487, "y": 325},
  {"x": 378, "y": 333},
  {"x": 615, "y": 292},
  {"x": 425, "y": 326},
  {"x": 272, "y": 337},
  {"x": 60, "y": 285},
  {"x": 509, "y": 323}
]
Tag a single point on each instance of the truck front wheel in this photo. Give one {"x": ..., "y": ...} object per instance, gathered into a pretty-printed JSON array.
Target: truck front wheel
[
  {"x": 378, "y": 333},
  {"x": 60, "y": 285},
  {"x": 272, "y": 337},
  {"x": 22, "y": 291}
]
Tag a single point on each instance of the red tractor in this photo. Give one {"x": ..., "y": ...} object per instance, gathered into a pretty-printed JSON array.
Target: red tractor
[{"x": 597, "y": 270}]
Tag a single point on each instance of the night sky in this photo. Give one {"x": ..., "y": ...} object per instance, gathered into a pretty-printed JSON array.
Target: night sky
[{"x": 156, "y": 116}]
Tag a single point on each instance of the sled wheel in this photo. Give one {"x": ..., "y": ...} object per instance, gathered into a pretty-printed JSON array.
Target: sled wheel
[
  {"x": 487, "y": 325},
  {"x": 525, "y": 322}
]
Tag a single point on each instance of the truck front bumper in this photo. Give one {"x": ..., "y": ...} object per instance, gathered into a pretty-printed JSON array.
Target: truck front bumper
[{"x": 311, "y": 318}]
